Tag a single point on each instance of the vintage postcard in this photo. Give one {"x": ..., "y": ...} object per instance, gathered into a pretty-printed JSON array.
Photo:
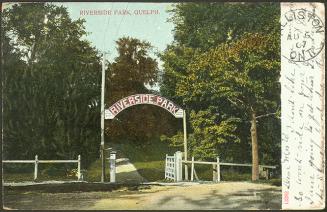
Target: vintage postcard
[{"x": 163, "y": 105}]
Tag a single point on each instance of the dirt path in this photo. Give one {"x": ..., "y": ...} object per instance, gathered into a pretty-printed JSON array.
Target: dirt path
[
  {"x": 126, "y": 172},
  {"x": 225, "y": 195}
]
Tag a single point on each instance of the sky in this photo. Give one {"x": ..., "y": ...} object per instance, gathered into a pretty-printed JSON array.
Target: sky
[{"x": 105, "y": 29}]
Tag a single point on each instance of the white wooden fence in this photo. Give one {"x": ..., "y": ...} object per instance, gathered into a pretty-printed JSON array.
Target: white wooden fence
[
  {"x": 173, "y": 168},
  {"x": 217, "y": 165},
  {"x": 36, "y": 161}
]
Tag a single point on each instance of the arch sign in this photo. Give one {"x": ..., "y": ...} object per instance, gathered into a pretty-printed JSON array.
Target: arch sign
[
  {"x": 151, "y": 99},
  {"x": 138, "y": 99}
]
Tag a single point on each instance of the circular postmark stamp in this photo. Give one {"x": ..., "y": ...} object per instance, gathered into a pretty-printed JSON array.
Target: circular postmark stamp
[{"x": 302, "y": 32}]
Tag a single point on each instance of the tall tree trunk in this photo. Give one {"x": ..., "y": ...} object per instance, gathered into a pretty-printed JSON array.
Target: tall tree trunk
[{"x": 255, "y": 156}]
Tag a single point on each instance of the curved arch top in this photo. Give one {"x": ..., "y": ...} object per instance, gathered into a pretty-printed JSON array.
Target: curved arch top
[{"x": 139, "y": 99}]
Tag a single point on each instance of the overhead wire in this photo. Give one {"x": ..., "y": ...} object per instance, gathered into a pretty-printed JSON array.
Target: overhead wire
[
  {"x": 106, "y": 28},
  {"x": 126, "y": 7}
]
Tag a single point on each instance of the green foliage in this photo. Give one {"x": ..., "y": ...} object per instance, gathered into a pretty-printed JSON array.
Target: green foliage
[
  {"x": 133, "y": 64},
  {"x": 147, "y": 157},
  {"x": 225, "y": 84},
  {"x": 222, "y": 66},
  {"x": 128, "y": 75},
  {"x": 245, "y": 73},
  {"x": 175, "y": 140},
  {"x": 51, "y": 84},
  {"x": 205, "y": 25},
  {"x": 176, "y": 59},
  {"x": 209, "y": 132}
]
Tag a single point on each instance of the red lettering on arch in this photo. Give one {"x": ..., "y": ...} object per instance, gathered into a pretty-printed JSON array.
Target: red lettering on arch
[
  {"x": 125, "y": 103},
  {"x": 151, "y": 99},
  {"x": 164, "y": 104},
  {"x": 175, "y": 109},
  {"x": 136, "y": 99},
  {"x": 145, "y": 99},
  {"x": 120, "y": 105},
  {"x": 114, "y": 110},
  {"x": 170, "y": 106},
  {"x": 131, "y": 100},
  {"x": 159, "y": 101}
]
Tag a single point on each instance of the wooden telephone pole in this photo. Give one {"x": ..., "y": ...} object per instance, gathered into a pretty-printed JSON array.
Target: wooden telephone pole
[{"x": 103, "y": 160}]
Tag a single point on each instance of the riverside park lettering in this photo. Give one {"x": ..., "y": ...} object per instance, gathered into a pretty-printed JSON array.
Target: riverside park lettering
[{"x": 138, "y": 99}]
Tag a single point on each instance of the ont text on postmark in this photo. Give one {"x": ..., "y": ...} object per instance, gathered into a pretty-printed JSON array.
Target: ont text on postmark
[{"x": 304, "y": 32}]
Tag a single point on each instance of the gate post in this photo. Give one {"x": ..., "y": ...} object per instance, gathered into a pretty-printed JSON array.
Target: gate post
[
  {"x": 79, "y": 168},
  {"x": 166, "y": 166},
  {"x": 218, "y": 170},
  {"x": 185, "y": 144},
  {"x": 36, "y": 167},
  {"x": 178, "y": 165},
  {"x": 112, "y": 167},
  {"x": 192, "y": 168}
]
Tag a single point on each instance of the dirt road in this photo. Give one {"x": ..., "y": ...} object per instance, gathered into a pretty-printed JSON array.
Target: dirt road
[
  {"x": 225, "y": 195},
  {"x": 126, "y": 172}
]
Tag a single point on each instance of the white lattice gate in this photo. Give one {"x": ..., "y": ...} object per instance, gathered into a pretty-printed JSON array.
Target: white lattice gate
[
  {"x": 173, "y": 167},
  {"x": 170, "y": 170}
]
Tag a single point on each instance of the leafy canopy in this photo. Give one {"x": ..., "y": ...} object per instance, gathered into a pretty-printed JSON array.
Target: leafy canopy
[{"x": 52, "y": 87}]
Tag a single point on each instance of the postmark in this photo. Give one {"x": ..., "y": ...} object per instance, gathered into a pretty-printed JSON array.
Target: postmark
[{"x": 304, "y": 32}]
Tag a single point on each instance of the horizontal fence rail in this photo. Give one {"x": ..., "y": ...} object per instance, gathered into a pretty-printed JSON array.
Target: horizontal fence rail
[
  {"x": 40, "y": 161},
  {"x": 18, "y": 161},
  {"x": 226, "y": 164},
  {"x": 216, "y": 167},
  {"x": 36, "y": 161}
]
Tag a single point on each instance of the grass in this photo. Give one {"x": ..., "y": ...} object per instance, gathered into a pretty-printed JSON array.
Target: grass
[
  {"x": 46, "y": 172},
  {"x": 205, "y": 173},
  {"x": 93, "y": 173},
  {"x": 23, "y": 177},
  {"x": 149, "y": 160},
  {"x": 29, "y": 176}
]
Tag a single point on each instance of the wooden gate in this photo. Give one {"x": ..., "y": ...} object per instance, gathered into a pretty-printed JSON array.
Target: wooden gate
[
  {"x": 170, "y": 171},
  {"x": 173, "y": 167}
]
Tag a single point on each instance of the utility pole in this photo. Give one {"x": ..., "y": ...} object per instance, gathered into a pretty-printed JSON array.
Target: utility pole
[
  {"x": 103, "y": 160},
  {"x": 185, "y": 144}
]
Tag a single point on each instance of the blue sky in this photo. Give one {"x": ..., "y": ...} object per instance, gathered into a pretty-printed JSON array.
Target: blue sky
[{"x": 106, "y": 29}]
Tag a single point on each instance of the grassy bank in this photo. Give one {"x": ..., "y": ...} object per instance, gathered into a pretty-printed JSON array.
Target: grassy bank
[
  {"x": 46, "y": 172},
  {"x": 147, "y": 157}
]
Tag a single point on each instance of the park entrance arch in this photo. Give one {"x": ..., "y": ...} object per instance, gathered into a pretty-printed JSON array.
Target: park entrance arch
[
  {"x": 138, "y": 99},
  {"x": 151, "y": 99}
]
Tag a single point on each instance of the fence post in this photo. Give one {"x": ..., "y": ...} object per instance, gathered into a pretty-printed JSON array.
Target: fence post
[
  {"x": 267, "y": 173},
  {"x": 178, "y": 165},
  {"x": 192, "y": 168},
  {"x": 175, "y": 167},
  {"x": 166, "y": 164},
  {"x": 113, "y": 167},
  {"x": 36, "y": 167},
  {"x": 79, "y": 168},
  {"x": 218, "y": 170}
]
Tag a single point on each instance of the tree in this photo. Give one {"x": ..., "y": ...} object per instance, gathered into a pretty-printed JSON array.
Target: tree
[
  {"x": 244, "y": 75},
  {"x": 51, "y": 100},
  {"x": 202, "y": 29},
  {"x": 131, "y": 70},
  {"x": 205, "y": 25}
]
